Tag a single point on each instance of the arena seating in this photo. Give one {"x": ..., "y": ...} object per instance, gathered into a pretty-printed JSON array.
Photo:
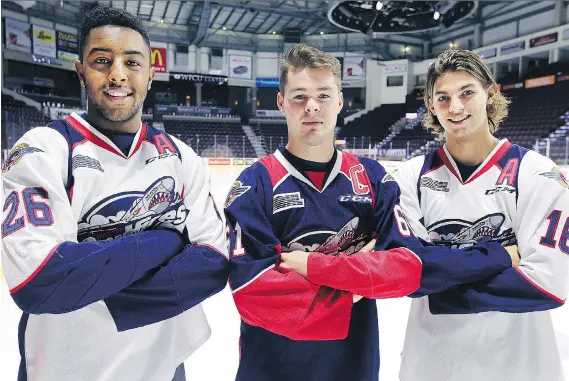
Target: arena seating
[
  {"x": 211, "y": 138},
  {"x": 374, "y": 126}
]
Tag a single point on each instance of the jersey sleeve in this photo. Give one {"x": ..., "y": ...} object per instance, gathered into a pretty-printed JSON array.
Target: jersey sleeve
[
  {"x": 541, "y": 225},
  {"x": 401, "y": 263},
  {"x": 266, "y": 295},
  {"x": 47, "y": 270},
  {"x": 199, "y": 271}
]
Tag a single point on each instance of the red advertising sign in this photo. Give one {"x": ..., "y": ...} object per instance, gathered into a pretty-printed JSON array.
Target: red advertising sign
[
  {"x": 158, "y": 57},
  {"x": 543, "y": 40}
]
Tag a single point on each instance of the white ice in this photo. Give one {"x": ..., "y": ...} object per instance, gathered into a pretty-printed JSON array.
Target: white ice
[{"x": 218, "y": 358}]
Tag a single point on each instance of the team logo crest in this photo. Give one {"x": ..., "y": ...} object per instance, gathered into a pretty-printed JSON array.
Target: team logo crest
[
  {"x": 348, "y": 240},
  {"x": 460, "y": 233},
  {"x": 16, "y": 154},
  {"x": 131, "y": 212},
  {"x": 556, "y": 175},
  {"x": 237, "y": 189}
]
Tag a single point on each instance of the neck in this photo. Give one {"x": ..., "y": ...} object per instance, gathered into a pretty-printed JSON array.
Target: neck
[
  {"x": 130, "y": 126},
  {"x": 320, "y": 154},
  {"x": 474, "y": 149}
]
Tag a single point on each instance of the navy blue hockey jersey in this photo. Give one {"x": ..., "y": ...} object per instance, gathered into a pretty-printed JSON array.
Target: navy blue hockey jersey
[{"x": 310, "y": 329}]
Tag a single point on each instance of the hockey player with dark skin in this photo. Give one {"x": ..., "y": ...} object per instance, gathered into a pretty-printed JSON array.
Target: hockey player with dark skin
[
  {"x": 118, "y": 248},
  {"x": 302, "y": 279}
]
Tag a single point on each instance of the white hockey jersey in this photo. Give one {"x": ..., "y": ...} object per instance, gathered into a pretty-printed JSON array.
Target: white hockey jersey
[
  {"x": 99, "y": 248},
  {"x": 498, "y": 329}
]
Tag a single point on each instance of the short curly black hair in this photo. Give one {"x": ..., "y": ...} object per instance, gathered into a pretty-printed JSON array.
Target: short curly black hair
[{"x": 103, "y": 16}]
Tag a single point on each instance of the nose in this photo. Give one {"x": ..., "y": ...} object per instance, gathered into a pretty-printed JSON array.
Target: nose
[
  {"x": 311, "y": 105},
  {"x": 118, "y": 72},
  {"x": 456, "y": 105}
]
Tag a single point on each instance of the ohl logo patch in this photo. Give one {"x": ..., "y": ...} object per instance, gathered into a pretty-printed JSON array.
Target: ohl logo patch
[
  {"x": 237, "y": 189},
  {"x": 16, "y": 154}
]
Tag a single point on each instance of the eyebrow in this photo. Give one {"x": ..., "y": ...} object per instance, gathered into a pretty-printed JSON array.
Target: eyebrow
[
  {"x": 462, "y": 88},
  {"x": 325, "y": 88},
  {"x": 109, "y": 50}
]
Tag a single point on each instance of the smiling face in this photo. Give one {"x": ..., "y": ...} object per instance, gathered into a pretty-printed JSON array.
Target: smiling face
[
  {"x": 116, "y": 72},
  {"x": 311, "y": 102},
  {"x": 459, "y": 102}
]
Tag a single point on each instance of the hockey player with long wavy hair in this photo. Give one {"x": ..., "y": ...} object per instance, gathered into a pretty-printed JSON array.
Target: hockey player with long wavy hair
[{"x": 474, "y": 189}]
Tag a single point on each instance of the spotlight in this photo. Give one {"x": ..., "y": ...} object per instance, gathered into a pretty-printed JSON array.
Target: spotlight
[
  {"x": 407, "y": 49},
  {"x": 224, "y": 28},
  {"x": 378, "y": 5},
  {"x": 437, "y": 15},
  {"x": 321, "y": 32}
]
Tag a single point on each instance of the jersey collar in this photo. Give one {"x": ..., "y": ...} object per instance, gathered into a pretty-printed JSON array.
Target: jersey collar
[{"x": 94, "y": 136}]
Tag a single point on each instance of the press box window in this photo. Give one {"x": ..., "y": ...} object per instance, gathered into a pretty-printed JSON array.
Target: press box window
[{"x": 395, "y": 80}]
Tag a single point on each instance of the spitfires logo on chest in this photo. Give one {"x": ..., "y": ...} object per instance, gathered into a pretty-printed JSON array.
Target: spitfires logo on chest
[
  {"x": 348, "y": 240},
  {"x": 460, "y": 233},
  {"x": 131, "y": 212}
]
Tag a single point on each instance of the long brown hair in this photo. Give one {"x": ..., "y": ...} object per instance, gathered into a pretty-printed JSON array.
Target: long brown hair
[{"x": 473, "y": 64}]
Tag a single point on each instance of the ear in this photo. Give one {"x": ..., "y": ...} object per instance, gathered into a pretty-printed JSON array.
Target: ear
[
  {"x": 341, "y": 102},
  {"x": 280, "y": 101},
  {"x": 431, "y": 107},
  {"x": 492, "y": 90},
  {"x": 79, "y": 70}
]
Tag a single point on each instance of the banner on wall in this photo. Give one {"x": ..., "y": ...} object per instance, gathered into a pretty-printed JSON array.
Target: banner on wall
[
  {"x": 158, "y": 59},
  {"x": 541, "y": 81},
  {"x": 489, "y": 53},
  {"x": 271, "y": 113},
  {"x": 198, "y": 78},
  {"x": 394, "y": 68},
  {"x": 512, "y": 48},
  {"x": 240, "y": 67},
  {"x": 67, "y": 46},
  {"x": 543, "y": 40},
  {"x": 267, "y": 82},
  {"x": 18, "y": 35},
  {"x": 44, "y": 41},
  {"x": 353, "y": 68}
]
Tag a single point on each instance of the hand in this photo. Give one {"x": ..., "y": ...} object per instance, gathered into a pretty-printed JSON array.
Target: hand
[
  {"x": 366, "y": 249},
  {"x": 296, "y": 261},
  {"x": 514, "y": 254}
]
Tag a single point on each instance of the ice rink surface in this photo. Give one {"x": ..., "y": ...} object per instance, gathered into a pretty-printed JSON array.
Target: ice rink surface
[{"x": 218, "y": 358}]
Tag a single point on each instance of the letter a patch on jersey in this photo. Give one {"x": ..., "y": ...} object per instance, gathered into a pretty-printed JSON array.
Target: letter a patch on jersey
[{"x": 237, "y": 189}]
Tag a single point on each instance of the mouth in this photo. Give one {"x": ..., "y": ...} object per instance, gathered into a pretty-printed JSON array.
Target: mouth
[
  {"x": 311, "y": 123},
  {"x": 118, "y": 96},
  {"x": 459, "y": 120}
]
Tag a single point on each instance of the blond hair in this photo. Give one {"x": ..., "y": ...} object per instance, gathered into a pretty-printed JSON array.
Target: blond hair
[
  {"x": 473, "y": 64},
  {"x": 302, "y": 56}
]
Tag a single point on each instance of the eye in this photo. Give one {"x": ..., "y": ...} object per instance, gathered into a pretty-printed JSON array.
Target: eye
[
  {"x": 324, "y": 96},
  {"x": 443, "y": 98},
  {"x": 299, "y": 96},
  {"x": 133, "y": 63},
  {"x": 102, "y": 60},
  {"x": 468, "y": 92}
]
